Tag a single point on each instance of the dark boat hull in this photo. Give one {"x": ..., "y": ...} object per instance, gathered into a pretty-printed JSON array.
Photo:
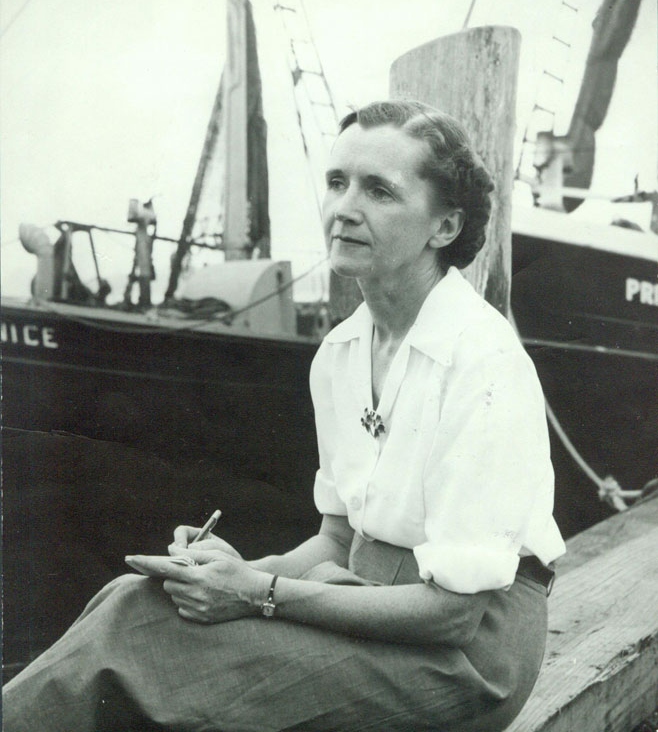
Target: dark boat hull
[
  {"x": 243, "y": 401},
  {"x": 184, "y": 393},
  {"x": 118, "y": 428},
  {"x": 115, "y": 432},
  {"x": 594, "y": 342}
]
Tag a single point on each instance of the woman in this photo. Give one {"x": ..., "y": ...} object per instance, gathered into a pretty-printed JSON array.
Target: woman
[{"x": 421, "y": 602}]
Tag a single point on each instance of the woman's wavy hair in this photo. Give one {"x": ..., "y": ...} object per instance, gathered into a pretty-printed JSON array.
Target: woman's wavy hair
[{"x": 452, "y": 167}]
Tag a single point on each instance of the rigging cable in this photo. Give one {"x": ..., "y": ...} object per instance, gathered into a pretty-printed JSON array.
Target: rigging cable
[
  {"x": 467, "y": 20},
  {"x": 186, "y": 325},
  {"x": 319, "y": 99},
  {"x": 15, "y": 17},
  {"x": 279, "y": 290},
  {"x": 608, "y": 488},
  {"x": 10, "y": 242}
]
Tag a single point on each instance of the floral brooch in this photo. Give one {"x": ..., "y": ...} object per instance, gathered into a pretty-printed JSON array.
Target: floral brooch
[{"x": 372, "y": 422}]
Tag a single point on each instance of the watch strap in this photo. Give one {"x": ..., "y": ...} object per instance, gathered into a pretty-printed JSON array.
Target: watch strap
[{"x": 268, "y": 607}]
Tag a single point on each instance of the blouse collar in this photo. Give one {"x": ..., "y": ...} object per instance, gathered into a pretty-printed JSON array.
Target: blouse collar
[{"x": 448, "y": 309}]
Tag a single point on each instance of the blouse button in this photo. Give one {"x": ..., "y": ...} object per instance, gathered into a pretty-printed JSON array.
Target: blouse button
[{"x": 355, "y": 503}]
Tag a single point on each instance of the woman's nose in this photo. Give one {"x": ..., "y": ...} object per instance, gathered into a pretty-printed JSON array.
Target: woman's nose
[{"x": 347, "y": 209}]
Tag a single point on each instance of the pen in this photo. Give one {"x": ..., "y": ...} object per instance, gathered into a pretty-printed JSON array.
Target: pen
[{"x": 207, "y": 527}]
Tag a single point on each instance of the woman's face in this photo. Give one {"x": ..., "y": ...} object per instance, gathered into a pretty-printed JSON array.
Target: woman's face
[{"x": 380, "y": 216}]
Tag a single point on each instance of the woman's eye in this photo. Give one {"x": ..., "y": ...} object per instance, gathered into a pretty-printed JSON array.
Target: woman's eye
[
  {"x": 335, "y": 184},
  {"x": 380, "y": 194}
]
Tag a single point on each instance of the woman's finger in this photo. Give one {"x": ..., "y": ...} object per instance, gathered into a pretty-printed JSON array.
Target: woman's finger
[
  {"x": 191, "y": 609},
  {"x": 195, "y": 617},
  {"x": 191, "y": 596},
  {"x": 183, "y": 535},
  {"x": 181, "y": 603},
  {"x": 159, "y": 567},
  {"x": 174, "y": 587},
  {"x": 204, "y": 546},
  {"x": 197, "y": 608}
]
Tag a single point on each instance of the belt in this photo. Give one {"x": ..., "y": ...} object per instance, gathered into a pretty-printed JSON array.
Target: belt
[{"x": 533, "y": 569}]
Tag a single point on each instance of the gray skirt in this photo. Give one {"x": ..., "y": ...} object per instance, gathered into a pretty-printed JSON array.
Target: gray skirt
[{"x": 131, "y": 663}]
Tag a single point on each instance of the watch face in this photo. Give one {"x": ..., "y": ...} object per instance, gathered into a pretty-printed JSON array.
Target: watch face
[{"x": 268, "y": 609}]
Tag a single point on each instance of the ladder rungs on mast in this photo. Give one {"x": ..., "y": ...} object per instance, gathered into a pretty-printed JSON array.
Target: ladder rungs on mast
[
  {"x": 562, "y": 41},
  {"x": 301, "y": 71},
  {"x": 316, "y": 111},
  {"x": 557, "y": 78},
  {"x": 539, "y": 108},
  {"x": 566, "y": 28}
]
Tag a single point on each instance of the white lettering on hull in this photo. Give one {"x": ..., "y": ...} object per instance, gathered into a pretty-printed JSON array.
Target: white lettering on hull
[
  {"x": 31, "y": 335},
  {"x": 646, "y": 293}
]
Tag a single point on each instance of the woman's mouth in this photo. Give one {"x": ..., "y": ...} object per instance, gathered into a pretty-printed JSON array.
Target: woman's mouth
[{"x": 349, "y": 240}]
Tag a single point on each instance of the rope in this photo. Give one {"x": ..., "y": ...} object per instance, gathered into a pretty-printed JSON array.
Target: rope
[
  {"x": 279, "y": 290},
  {"x": 609, "y": 489}
]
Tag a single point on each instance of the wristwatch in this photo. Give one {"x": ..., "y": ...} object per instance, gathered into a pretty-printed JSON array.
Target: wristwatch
[{"x": 268, "y": 607}]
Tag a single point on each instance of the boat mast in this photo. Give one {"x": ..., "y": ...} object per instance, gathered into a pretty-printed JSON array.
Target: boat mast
[
  {"x": 236, "y": 215},
  {"x": 237, "y": 125},
  {"x": 212, "y": 134}
]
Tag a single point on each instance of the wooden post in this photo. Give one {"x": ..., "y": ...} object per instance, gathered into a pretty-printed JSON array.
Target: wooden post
[{"x": 472, "y": 76}]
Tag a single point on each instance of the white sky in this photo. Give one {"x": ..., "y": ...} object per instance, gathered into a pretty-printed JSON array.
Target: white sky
[{"x": 104, "y": 101}]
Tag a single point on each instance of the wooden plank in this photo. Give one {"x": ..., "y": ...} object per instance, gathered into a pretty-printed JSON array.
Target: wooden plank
[
  {"x": 600, "y": 672},
  {"x": 610, "y": 533},
  {"x": 472, "y": 76}
]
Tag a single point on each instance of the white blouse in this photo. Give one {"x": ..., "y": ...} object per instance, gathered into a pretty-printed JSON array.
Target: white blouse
[{"x": 461, "y": 473}]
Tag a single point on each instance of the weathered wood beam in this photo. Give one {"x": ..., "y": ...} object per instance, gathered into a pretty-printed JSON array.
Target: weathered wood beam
[
  {"x": 600, "y": 672},
  {"x": 472, "y": 75},
  {"x": 608, "y": 534}
]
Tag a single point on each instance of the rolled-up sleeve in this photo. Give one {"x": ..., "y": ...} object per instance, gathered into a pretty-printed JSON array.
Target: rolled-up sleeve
[{"x": 487, "y": 472}]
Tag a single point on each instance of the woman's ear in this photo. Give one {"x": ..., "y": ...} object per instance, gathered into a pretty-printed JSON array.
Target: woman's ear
[{"x": 449, "y": 227}]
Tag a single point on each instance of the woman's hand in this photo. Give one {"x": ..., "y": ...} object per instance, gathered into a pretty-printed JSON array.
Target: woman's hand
[
  {"x": 220, "y": 588},
  {"x": 184, "y": 535}
]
